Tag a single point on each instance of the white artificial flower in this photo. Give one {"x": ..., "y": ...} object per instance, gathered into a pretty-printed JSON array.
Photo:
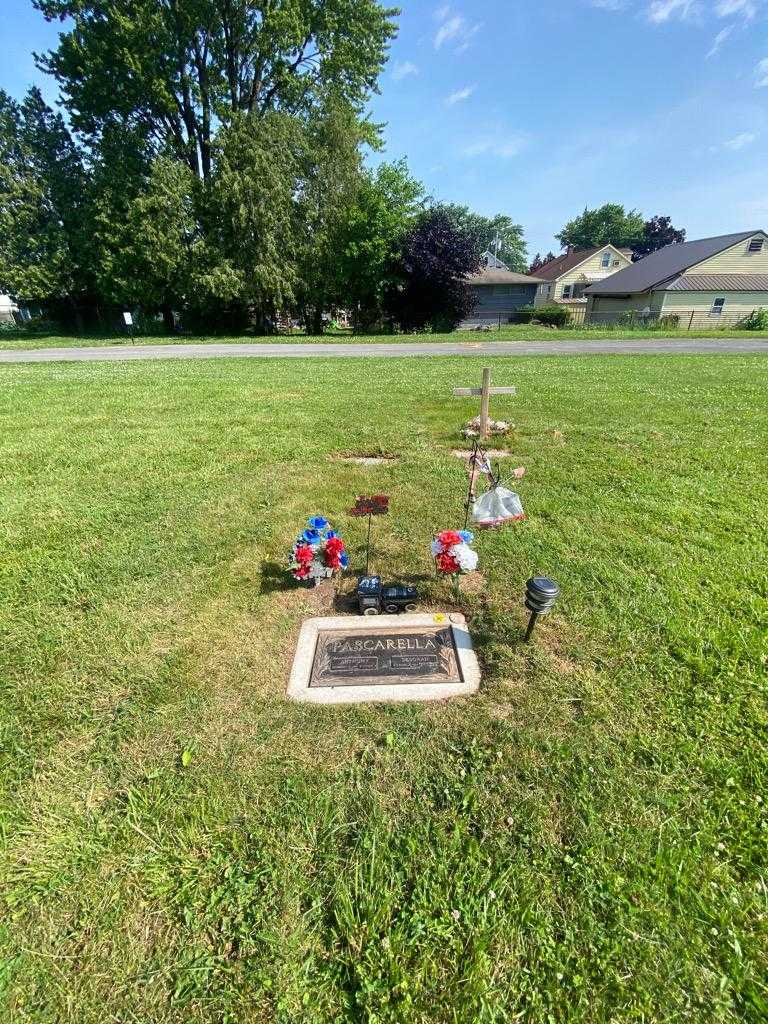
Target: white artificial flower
[
  {"x": 316, "y": 570},
  {"x": 436, "y": 548},
  {"x": 465, "y": 556}
]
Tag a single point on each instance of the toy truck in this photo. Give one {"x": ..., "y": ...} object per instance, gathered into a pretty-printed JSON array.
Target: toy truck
[{"x": 373, "y": 598}]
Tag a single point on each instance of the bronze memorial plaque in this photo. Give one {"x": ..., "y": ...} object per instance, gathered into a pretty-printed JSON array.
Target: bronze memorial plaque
[{"x": 389, "y": 655}]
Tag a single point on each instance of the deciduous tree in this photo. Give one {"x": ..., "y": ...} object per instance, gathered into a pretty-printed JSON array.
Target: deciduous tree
[
  {"x": 369, "y": 237},
  {"x": 608, "y": 223},
  {"x": 437, "y": 257},
  {"x": 175, "y": 70},
  {"x": 657, "y": 233},
  {"x": 489, "y": 231}
]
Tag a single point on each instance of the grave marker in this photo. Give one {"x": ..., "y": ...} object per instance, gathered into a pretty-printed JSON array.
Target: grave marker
[
  {"x": 484, "y": 391},
  {"x": 341, "y": 660}
]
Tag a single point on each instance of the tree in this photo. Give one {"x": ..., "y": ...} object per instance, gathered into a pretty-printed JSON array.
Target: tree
[
  {"x": 609, "y": 223},
  {"x": 437, "y": 256},
  {"x": 44, "y": 213},
  {"x": 369, "y": 238},
  {"x": 148, "y": 256},
  {"x": 250, "y": 218},
  {"x": 501, "y": 227},
  {"x": 173, "y": 71},
  {"x": 657, "y": 233},
  {"x": 538, "y": 262},
  {"x": 331, "y": 175}
]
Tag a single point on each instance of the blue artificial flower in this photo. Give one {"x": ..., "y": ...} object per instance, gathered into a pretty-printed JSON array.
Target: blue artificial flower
[
  {"x": 343, "y": 559},
  {"x": 467, "y": 536},
  {"x": 318, "y": 522},
  {"x": 311, "y": 536},
  {"x": 332, "y": 533}
]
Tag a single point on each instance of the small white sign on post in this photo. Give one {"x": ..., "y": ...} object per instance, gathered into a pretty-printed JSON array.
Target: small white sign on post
[{"x": 128, "y": 319}]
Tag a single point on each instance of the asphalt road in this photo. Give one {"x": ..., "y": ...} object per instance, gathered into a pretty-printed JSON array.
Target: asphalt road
[{"x": 119, "y": 352}]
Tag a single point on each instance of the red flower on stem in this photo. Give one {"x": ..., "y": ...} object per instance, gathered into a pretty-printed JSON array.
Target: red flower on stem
[
  {"x": 448, "y": 538},
  {"x": 446, "y": 563},
  {"x": 333, "y": 549},
  {"x": 304, "y": 554}
]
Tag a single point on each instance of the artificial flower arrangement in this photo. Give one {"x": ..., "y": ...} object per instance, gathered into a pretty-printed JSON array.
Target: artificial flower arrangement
[
  {"x": 452, "y": 552},
  {"x": 318, "y": 553}
]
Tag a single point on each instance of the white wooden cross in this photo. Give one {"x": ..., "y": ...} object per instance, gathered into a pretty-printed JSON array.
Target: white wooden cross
[{"x": 485, "y": 392}]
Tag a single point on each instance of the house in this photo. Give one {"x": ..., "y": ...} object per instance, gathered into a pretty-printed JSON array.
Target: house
[
  {"x": 567, "y": 276},
  {"x": 709, "y": 279},
  {"x": 498, "y": 292},
  {"x": 7, "y": 308}
]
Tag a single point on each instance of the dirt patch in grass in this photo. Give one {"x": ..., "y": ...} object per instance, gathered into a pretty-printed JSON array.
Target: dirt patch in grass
[{"x": 365, "y": 458}]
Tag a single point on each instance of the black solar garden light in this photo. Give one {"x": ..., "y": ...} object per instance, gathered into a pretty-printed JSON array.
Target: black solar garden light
[{"x": 540, "y": 596}]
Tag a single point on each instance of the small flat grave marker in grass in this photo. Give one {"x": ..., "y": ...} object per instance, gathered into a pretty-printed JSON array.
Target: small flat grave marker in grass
[{"x": 341, "y": 660}]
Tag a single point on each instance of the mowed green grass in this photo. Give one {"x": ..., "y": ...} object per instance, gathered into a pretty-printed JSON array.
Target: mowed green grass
[
  {"x": 518, "y": 332},
  {"x": 584, "y": 841}
]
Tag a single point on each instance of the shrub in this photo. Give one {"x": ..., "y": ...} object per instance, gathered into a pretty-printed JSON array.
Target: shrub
[
  {"x": 553, "y": 316},
  {"x": 756, "y": 321},
  {"x": 523, "y": 314},
  {"x": 550, "y": 316},
  {"x": 668, "y": 322}
]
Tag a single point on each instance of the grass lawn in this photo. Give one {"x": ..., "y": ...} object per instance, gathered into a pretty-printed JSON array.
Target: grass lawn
[
  {"x": 519, "y": 332},
  {"x": 583, "y": 842}
]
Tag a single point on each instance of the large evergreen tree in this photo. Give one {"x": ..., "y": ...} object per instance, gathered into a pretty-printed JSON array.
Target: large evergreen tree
[{"x": 45, "y": 250}]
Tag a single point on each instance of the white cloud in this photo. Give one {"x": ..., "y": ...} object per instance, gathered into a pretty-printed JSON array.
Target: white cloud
[
  {"x": 746, "y": 8},
  {"x": 505, "y": 148},
  {"x": 449, "y": 29},
  {"x": 740, "y": 141},
  {"x": 663, "y": 10},
  {"x": 454, "y": 28},
  {"x": 761, "y": 74},
  {"x": 719, "y": 39},
  {"x": 402, "y": 69},
  {"x": 460, "y": 95}
]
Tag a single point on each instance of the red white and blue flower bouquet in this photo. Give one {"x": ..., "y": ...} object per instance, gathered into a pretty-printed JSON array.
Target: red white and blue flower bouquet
[
  {"x": 453, "y": 554},
  {"x": 318, "y": 553}
]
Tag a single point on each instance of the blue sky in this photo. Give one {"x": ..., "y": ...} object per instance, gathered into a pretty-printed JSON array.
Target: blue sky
[{"x": 537, "y": 108}]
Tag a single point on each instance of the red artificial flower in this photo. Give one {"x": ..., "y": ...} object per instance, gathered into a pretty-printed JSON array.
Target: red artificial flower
[
  {"x": 304, "y": 554},
  {"x": 448, "y": 538},
  {"x": 302, "y": 572},
  {"x": 333, "y": 549},
  {"x": 446, "y": 563}
]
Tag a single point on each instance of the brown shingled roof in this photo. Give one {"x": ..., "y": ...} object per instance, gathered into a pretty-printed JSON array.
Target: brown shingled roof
[{"x": 562, "y": 264}]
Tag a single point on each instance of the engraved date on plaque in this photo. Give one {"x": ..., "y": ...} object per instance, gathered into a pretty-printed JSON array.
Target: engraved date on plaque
[{"x": 386, "y": 656}]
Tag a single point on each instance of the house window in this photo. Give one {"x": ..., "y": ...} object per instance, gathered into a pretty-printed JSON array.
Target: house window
[
  {"x": 755, "y": 245},
  {"x": 566, "y": 291},
  {"x": 615, "y": 263},
  {"x": 606, "y": 260},
  {"x": 717, "y": 307},
  {"x": 577, "y": 291}
]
